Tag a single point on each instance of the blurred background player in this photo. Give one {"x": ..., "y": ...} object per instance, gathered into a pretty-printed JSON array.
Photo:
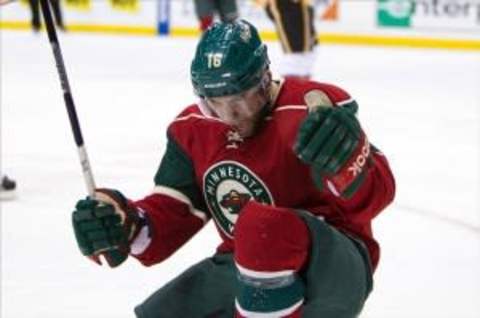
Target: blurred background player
[
  {"x": 206, "y": 10},
  {"x": 7, "y": 188},
  {"x": 294, "y": 24},
  {"x": 35, "y": 10}
]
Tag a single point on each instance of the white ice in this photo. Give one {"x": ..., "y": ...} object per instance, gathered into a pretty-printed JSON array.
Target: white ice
[{"x": 421, "y": 107}]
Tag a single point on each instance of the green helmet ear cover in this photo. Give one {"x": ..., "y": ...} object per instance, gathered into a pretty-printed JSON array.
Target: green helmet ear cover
[{"x": 230, "y": 58}]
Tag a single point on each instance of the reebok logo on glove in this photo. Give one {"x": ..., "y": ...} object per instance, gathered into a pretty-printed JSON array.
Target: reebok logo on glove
[{"x": 357, "y": 165}]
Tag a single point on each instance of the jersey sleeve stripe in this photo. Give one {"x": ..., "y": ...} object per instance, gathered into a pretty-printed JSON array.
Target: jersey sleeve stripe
[
  {"x": 182, "y": 198},
  {"x": 198, "y": 116},
  {"x": 291, "y": 107},
  {"x": 346, "y": 102},
  {"x": 189, "y": 116}
]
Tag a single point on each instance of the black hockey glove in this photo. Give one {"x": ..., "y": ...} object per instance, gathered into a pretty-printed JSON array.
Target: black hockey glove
[
  {"x": 106, "y": 226},
  {"x": 333, "y": 143}
]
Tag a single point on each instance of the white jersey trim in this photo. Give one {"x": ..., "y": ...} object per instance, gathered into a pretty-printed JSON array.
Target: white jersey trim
[
  {"x": 263, "y": 274},
  {"x": 345, "y": 102},
  {"x": 284, "y": 108},
  {"x": 291, "y": 107},
  {"x": 332, "y": 188},
  {"x": 272, "y": 314},
  {"x": 189, "y": 116},
  {"x": 141, "y": 242},
  {"x": 182, "y": 198}
]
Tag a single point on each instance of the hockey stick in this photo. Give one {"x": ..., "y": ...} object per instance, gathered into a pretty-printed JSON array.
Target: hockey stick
[
  {"x": 113, "y": 254},
  {"x": 67, "y": 96}
]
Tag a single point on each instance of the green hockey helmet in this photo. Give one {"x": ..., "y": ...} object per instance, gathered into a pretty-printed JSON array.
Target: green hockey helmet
[{"x": 230, "y": 58}]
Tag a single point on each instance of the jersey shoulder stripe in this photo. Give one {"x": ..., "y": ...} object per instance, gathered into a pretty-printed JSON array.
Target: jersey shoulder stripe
[
  {"x": 179, "y": 196},
  {"x": 290, "y": 107}
]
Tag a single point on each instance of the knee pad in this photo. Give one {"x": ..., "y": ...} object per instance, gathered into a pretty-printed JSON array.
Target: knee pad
[
  {"x": 270, "y": 239},
  {"x": 271, "y": 246}
]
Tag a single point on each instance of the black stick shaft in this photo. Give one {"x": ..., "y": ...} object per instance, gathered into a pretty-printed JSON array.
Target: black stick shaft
[{"x": 67, "y": 96}]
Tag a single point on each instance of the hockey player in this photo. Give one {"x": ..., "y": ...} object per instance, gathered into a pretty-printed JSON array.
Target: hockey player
[
  {"x": 295, "y": 28},
  {"x": 206, "y": 10},
  {"x": 7, "y": 188},
  {"x": 288, "y": 176}
]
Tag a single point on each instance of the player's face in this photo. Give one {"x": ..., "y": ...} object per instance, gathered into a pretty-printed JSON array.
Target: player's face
[{"x": 242, "y": 111}]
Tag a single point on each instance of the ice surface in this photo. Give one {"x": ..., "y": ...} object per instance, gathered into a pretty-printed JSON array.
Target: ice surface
[{"x": 421, "y": 107}]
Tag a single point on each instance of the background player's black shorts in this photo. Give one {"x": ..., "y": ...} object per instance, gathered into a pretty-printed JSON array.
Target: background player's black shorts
[{"x": 294, "y": 23}]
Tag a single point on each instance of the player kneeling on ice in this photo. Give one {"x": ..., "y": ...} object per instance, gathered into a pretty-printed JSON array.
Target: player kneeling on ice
[{"x": 288, "y": 176}]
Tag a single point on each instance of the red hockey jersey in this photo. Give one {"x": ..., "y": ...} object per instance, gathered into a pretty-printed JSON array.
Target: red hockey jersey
[{"x": 209, "y": 171}]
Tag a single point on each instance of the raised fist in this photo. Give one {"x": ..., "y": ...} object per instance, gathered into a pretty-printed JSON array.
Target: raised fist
[{"x": 333, "y": 143}]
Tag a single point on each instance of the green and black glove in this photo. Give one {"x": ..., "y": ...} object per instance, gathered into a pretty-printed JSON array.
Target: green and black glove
[
  {"x": 106, "y": 226},
  {"x": 331, "y": 140}
]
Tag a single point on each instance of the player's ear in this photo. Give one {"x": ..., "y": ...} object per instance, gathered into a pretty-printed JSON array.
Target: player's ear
[{"x": 267, "y": 79}]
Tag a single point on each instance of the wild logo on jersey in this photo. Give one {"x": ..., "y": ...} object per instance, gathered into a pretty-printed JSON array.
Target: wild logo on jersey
[
  {"x": 228, "y": 186},
  {"x": 234, "y": 201}
]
